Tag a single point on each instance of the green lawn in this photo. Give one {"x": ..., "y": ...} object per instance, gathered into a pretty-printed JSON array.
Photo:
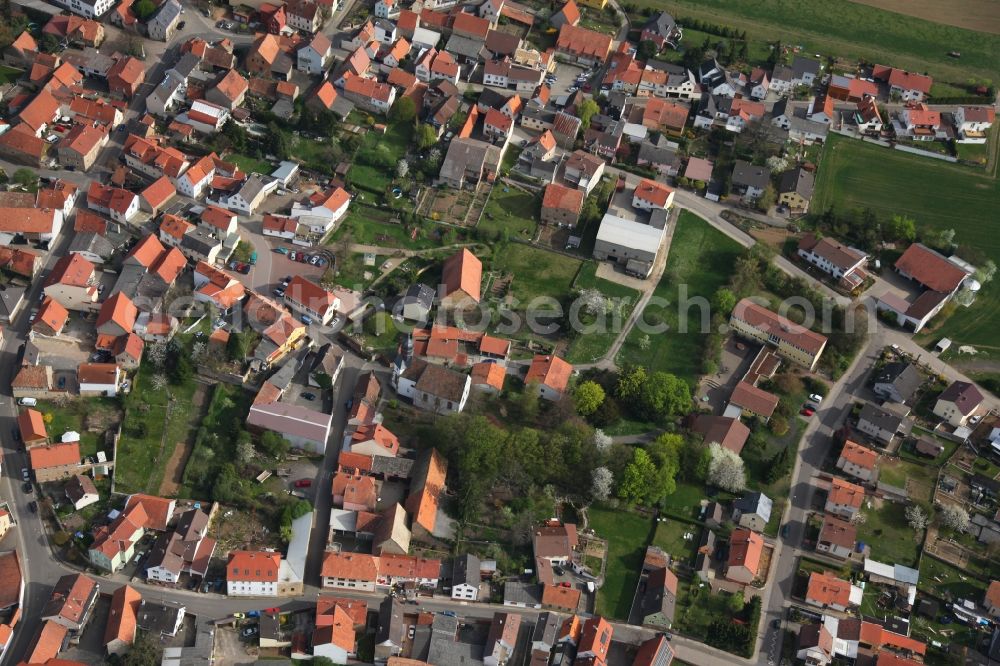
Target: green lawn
[
  {"x": 698, "y": 608},
  {"x": 852, "y": 31},
  {"x": 250, "y": 164},
  {"x": 513, "y": 213},
  {"x": 537, "y": 273},
  {"x": 669, "y": 535},
  {"x": 888, "y": 535},
  {"x": 700, "y": 261},
  {"x": 939, "y": 578},
  {"x": 627, "y": 535},
  {"x": 897, "y": 474},
  {"x": 77, "y": 415},
  {"x": 974, "y": 152},
  {"x": 686, "y": 500},
  {"x": 9, "y": 74},
  {"x": 373, "y": 226},
  {"x": 143, "y": 454},
  {"x": 594, "y": 345},
  {"x": 391, "y": 146},
  {"x": 937, "y": 195}
]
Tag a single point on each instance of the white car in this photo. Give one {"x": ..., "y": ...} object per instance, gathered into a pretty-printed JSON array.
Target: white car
[{"x": 816, "y": 397}]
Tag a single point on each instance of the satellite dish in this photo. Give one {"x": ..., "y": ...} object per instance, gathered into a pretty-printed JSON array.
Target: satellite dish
[{"x": 973, "y": 285}]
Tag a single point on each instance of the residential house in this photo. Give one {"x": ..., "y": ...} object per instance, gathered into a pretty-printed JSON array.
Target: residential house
[
  {"x": 73, "y": 283},
  {"x": 857, "y": 461},
  {"x": 194, "y": 180},
  {"x": 749, "y": 399},
  {"x": 497, "y": 127},
  {"x": 555, "y": 542},
  {"x": 551, "y": 374},
  {"x": 426, "y": 488},
  {"x": 51, "y": 319},
  {"x": 335, "y": 640},
  {"x": 252, "y": 573},
  {"x": 595, "y": 641},
  {"x": 650, "y": 195},
  {"x": 119, "y": 632},
  {"x": 752, "y": 511},
  {"x": 163, "y": 24},
  {"x": 958, "y": 402},
  {"x": 157, "y": 195},
  {"x": 973, "y": 122},
  {"x": 661, "y": 115},
  {"x": 99, "y": 379},
  {"x": 791, "y": 340},
  {"x": 561, "y": 205},
  {"x": 841, "y": 262},
  {"x": 583, "y": 170},
  {"x": 897, "y": 381},
  {"x": 907, "y": 86},
  {"x": 81, "y": 145},
  {"x": 633, "y": 244},
  {"x": 370, "y": 94},
  {"x": 850, "y": 89},
  {"x": 662, "y": 30},
  {"x": 465, "y": 578},
  {"x": 867, "y": 116},
  {"x": 434, "y": 387},
  {"x": 501, "y": 639},
  {"x": 416, "y": 303},
  {"x": 205, "y": 117},
  {"x": 568, "y": 14},
  {"x": 374, "y": 440},
  {"x": 249, "y": 195},
  {"x": 72, "y": 599},
  {"x": 468, "y": 161},
  {"x": 17, "y": 261},
  {"x": 821, "y": 110},
  {"x": 31, "y": 427},
  {"x": 882, "y": 424},
  {"x": 804, "y": 71},
  {"x": 659, "y": 599},
  {"x": 87, "y": 8},
  {"x": 745, "y": 550},
  {"x": 314, "y": 57},
  {"x": 306, "y": 15},
  {"x": 34, "y": 224},
  {"x": 655, "y": 651},
  {"x": 844, "y": 498},
  {"x": 661, "y": 155},
  {"x": 836, "y": 537},
  {"x": 795, "y": 189},
  {"x": 920, "y": 123},
  {"x": 229, "y": 91},
  {"x": 750, "y": 181},
  {"x": 54, "y": 461},
  {"x": 267, "y": 58},
  {"x": 461, "y": 279},
  {"x": 584, "y": 46},
  {"x": 826, "y": 590},
  {"x": 81, "y": 492},
  {"x": 730, "y": 433},
  {"x": 387, "y": 9},
  {"x": 114, "y": 544}
]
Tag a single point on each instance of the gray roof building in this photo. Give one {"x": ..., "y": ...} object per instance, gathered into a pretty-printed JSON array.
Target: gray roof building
[
  {"x": 748, "y": 175},
  {"x": 465, "y": 570},
  {"x": 159, "y": 619},
  {"x": 897, "y": 381},
  {"x": 92, "y": 243},
  {"x": 797, "y": 180},
  {"x": 755, "y": 503}
]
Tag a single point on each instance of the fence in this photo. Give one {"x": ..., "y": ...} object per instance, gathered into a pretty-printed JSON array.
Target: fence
[{"x": 925, "y": 153}]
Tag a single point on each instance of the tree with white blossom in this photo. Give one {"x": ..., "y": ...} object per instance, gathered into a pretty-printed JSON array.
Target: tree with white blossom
[
  {"x": 602, "y": 441},
  {"x": 915, "y": 517},
  {"x": 725, "y": 469},
  {"x": 601, "y": 483},
  {"x": 954, "y": 517}
]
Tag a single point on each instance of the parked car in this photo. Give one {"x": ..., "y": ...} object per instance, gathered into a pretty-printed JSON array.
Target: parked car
[
  {"x": 292, "y": 255},
  {"x": 28, "y": 487},
  {"x": 806, "y": 412},
  {"x": 281, "y": 250},
  {"x": 307, "y": 320},
  {"x": 784, "y": 531},
  {"x": 244, "y": 268},
  {"x": 33, "y": 506},
  {"x": 280, "y": 293},
  {"x": 180, "y": 26},
  {"x": 25, "y": 474},
  {"x": 303, "y": 483},
  {"x": 565, "y": 584},
  {"x": 559, "y": 571},
  {"x": 816, "y": 397},
  {"x": 411, "y": 632},
  {"x": 302, "y": 258},
  {"x": 249, "y": 631},
  {"x": 309, "y": 396},
  {"x": 271, "y": 611},
  {"x": 16, "y": 434}
]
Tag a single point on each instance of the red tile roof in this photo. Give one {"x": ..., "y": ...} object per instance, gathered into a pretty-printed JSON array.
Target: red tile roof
[
  {"x": 158, "y": 510},
  {"x": 846, "y": 493},
  {"x": 596, "y": 638},
  {"x": 754, "y": 399},
  {"x": 838, "y": 532},
  {"x": 71, "y": 270},
  {"x": 556, "y": 596},
  {"x": 463, "y": 271},
  {"x": 560, "y": 197},
  {"x": 930, "y": 269},
  {"x": 825, "y": 589},
  {"x": 54, "y": 455},
  {"x": 351, "y": 566},
  {"x": 120, "y": 310},
  {"x": 745, "y": 550},
  {"x": 653, "y": 192},
  {"x": 159, "y": 192},
  {"x": 774, "y": 324},
  {"x": 859, "y": 455},
  {"x": 489, "y": 374},
  {"x": 53, "y": 314},
  {"x": 122, "y": 616},
  {"x": 48, "y": 643},
  {"x": 550, "y": 371},
  {"x": 31, "y": 425},
  {"x": 253, "y": 566},
  {"x": 16, "y": 260},
  {"x": 583, "y": 42}
]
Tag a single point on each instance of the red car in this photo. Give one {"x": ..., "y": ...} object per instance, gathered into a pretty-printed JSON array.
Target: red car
[
  {"x": 564, "y": 584},
  {"x": 807, "y": 412},
  {"x": 271, "y": 611},
  {"x": 303, "y": 483}
]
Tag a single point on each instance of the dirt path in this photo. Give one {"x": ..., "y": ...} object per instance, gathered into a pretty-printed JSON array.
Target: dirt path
[{"x": 173, "y": 475}]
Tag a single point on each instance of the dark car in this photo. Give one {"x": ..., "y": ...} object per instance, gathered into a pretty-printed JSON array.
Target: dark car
[
  {"x": 16, "y": 434},
  {"x": 776, "y": 623},
  {"x": 309, "y": 396},
  {"x": 33, "y": 506},
  {"x": 28, "y": 487},
  {"x": 559, "y": 571},
  {"x": 180, "y": 26},
  {"x": 784, "y": 532},
  {"x": 244, "y": 268}
]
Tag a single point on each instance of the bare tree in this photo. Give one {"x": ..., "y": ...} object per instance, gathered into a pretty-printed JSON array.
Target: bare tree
[
  {"x": 916, "y": 517},
  {"x": 245, "y": 451},
  {"x": 859, "y": 518},
  {"x": 158, "y": 382},
  {"x": 954, "y": 517},
  {"x": 601, "y": 484},
  {"x": 725, "y": 469},
  {"x": 156, "y": 354}
]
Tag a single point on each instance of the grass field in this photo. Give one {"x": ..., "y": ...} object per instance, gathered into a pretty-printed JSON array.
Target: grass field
[
  {"x": 901, "y": 472},
  {"x": 887, "y": 533},
  {"x": 143, "y": 454},
  {"x": 592, "y": 346},
  {"x": 700, "y": 261},
  {"x": 75, "y": 415},
  {"x": 853, "y": 31},
  {"x": 537, "y": 273},
  {"x": 514, "y": 212},
  {"x": 856, "y": 175},
  {"x": 9, "y": 74},
  {"x": 627, "y": 535},
  {"x": 250, "y": 164},
  {"x": 669, "y": 536},
  {"x": 972, "y": 14},
  {"x": 372, "y": 226}
]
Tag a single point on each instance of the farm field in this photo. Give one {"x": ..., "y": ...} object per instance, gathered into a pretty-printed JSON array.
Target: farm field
[
  {"x": 853, "y": 30},
  {"x": 859, "y": 175},
  {"x": 700, "y": 261},
  {"x": 978, "y": 15}
]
